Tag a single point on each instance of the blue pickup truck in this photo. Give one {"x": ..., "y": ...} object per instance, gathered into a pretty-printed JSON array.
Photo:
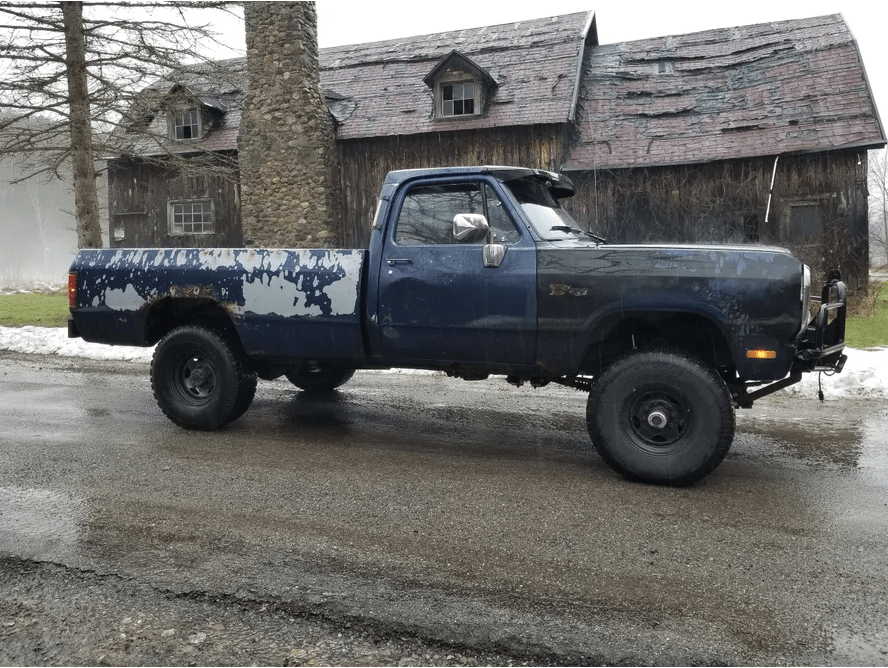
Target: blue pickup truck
[{"x": 475, "y": 271}]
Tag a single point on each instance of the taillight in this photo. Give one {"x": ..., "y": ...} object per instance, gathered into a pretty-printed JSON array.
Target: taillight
[{"x": 72, "y": 290}]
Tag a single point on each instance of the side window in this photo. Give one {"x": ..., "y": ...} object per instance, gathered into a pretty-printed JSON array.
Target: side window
[
  {"x": 502, "y": 226},
  {"x": 426, "y": 217}
]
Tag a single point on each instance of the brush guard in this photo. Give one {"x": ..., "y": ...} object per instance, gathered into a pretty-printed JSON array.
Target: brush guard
[{"x": 819, "y": 346}]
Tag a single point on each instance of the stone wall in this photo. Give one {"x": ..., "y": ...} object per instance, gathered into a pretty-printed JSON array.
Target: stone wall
[{"x": 286, "y": 145}]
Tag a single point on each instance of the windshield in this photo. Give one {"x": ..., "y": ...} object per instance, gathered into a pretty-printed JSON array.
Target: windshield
[{"x": 549, "y": 220}]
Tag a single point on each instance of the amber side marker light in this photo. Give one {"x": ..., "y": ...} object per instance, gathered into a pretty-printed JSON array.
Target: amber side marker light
[
  {"x": 72, "y": 290},
  {"x": 761, "y": 354}
]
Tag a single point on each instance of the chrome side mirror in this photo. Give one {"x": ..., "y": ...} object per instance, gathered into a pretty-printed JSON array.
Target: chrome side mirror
[{"x": 470, "y": 228}]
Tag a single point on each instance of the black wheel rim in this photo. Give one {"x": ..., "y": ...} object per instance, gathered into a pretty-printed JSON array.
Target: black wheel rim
[
  {"x": 657, "y": 418},
  {"x": 195, "y": 379}
]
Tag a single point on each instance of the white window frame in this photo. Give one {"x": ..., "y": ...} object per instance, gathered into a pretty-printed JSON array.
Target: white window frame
[
  {"x": 457, "y": 79},
  {"x": 191, "y": 216},
  {"x": 178, "y": 120}
]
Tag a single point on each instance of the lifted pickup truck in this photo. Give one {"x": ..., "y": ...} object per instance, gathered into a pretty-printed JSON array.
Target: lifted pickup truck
[{"x": 476, "y": 271}]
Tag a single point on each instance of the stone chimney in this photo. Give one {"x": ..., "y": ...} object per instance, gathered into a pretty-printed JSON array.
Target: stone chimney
[{"x": 286, "y": 145}]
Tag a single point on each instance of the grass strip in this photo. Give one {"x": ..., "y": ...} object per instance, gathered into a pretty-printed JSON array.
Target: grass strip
[
  {"x": 869, "y": 327},
  {"x": 34, "y": 308}
]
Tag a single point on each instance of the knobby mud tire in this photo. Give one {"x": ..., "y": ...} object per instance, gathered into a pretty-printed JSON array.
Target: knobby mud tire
[
  {"x": 198, "y": 379},
  {"x": 660, "y": 417}
]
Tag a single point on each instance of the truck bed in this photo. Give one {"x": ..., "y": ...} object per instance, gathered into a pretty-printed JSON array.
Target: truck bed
[{"x": 279, "y": 300}]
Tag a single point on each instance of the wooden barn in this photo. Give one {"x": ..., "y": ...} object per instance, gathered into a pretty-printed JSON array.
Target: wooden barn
[
  {"x": 174, "y": 180},
  {"x": 755, "y": 134}
]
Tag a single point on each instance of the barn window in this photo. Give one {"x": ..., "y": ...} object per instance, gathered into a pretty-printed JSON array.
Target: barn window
[
  {"x": 458, "y": 99},
  {"x": 804, "y": 223},
  {"x": 185, "y": 124},
  {"x": 461, "y": 87},
  {"x": 456, "y": 96},
  {"x": 191, "y": 217}
]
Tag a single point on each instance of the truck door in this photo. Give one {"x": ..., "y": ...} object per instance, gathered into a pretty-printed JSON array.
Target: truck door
[{"x": 437, "y": 300}]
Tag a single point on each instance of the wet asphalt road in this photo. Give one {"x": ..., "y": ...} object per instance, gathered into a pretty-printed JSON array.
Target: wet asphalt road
[{"x": 419, "y": 520}]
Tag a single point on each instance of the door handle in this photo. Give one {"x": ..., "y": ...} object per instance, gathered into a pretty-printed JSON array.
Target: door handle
[{"x": 395, "y": 261}]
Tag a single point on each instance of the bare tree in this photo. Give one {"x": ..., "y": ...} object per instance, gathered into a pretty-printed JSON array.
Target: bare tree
[
  {"x": 78, "y": 67},
  {"x": 878, "y": 203}
]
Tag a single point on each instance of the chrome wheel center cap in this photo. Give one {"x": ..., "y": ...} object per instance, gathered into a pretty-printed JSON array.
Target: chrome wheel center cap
[{"x": 657, "y": 419}]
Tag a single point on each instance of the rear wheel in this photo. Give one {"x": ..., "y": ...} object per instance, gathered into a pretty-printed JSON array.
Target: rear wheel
[
  {"x": 660, "y": 417},
  {"x": 199, "y": 380},
  {"x": 319, "y": 377}
]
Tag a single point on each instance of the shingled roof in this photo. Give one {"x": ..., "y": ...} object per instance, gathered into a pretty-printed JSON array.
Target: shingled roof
[
  {"x": 535, "y": 64},
  {"x": 378, "y": 88},
  {"x": 790, "y": 86},
  {"x": 219, "y": 85}
]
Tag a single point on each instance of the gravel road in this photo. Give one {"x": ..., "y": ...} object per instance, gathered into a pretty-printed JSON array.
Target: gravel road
[{"x": 421, "y": 520}]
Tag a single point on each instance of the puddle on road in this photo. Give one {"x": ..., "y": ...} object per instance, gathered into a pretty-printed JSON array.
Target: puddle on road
[
  {"x": 873, "y": 461},
  {"x": 861, "y": 649},
  {"x": 853, "y": 439},
  {"x": 39, "y": 523}
]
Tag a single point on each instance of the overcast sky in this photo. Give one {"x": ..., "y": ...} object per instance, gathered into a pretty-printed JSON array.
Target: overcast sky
[{"x": 355, "y": 21}]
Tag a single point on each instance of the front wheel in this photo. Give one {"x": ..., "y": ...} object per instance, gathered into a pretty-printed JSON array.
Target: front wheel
[
  {"x": 319, "y": 377},
  {"x": 660, "y": 417},
  {"x": 198, "y": 379}
]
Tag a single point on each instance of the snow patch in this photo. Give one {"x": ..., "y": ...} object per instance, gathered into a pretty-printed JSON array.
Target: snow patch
[{"x": 55, "y": 341}]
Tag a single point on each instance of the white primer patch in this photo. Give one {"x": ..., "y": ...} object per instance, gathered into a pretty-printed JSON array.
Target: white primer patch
[
  {"x": 343, "y": 294},
  {"x": 286, "y": 294},
  {"x": 123, "y": 300},
  {"x": 279, "y": 297}
]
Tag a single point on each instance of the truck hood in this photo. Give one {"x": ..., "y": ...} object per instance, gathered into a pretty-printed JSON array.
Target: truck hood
[{"x": 736, "y": 248}]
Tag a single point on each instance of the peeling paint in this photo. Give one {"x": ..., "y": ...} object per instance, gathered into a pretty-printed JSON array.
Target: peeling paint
[
  {"x": 561, "y": 289},
  {"x": 289, "y": 283},
  {"x": 276, "y": 297},
  {"x": 192, "y": 291},
  {"x": 123, "y": 300}
]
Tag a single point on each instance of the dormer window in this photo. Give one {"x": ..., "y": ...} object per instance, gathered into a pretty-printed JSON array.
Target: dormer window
[
  {"x": 461, "y": 88},
  {"x": 185, "y": 124},
  {"x": 458, "y": 99}
]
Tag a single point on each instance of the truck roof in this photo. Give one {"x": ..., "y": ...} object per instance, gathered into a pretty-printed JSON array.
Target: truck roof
[{"x": 559, "y": 185}]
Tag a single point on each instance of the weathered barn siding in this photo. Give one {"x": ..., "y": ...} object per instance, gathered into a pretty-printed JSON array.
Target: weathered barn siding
[
  {"x": 818, "y": 207},
  {"x": 365, "y": 162},
  {"x": 138, "y": 196}
]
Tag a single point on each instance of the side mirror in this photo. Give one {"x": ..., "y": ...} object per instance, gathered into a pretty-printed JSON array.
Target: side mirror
[{"x": 470, "y": 228}]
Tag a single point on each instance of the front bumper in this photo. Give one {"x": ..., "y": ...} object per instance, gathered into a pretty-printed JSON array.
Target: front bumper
[{"x": 820, "y": 345}]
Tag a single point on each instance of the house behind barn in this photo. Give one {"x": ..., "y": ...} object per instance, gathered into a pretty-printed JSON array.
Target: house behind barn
[{"x": 753, "y": 134}]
